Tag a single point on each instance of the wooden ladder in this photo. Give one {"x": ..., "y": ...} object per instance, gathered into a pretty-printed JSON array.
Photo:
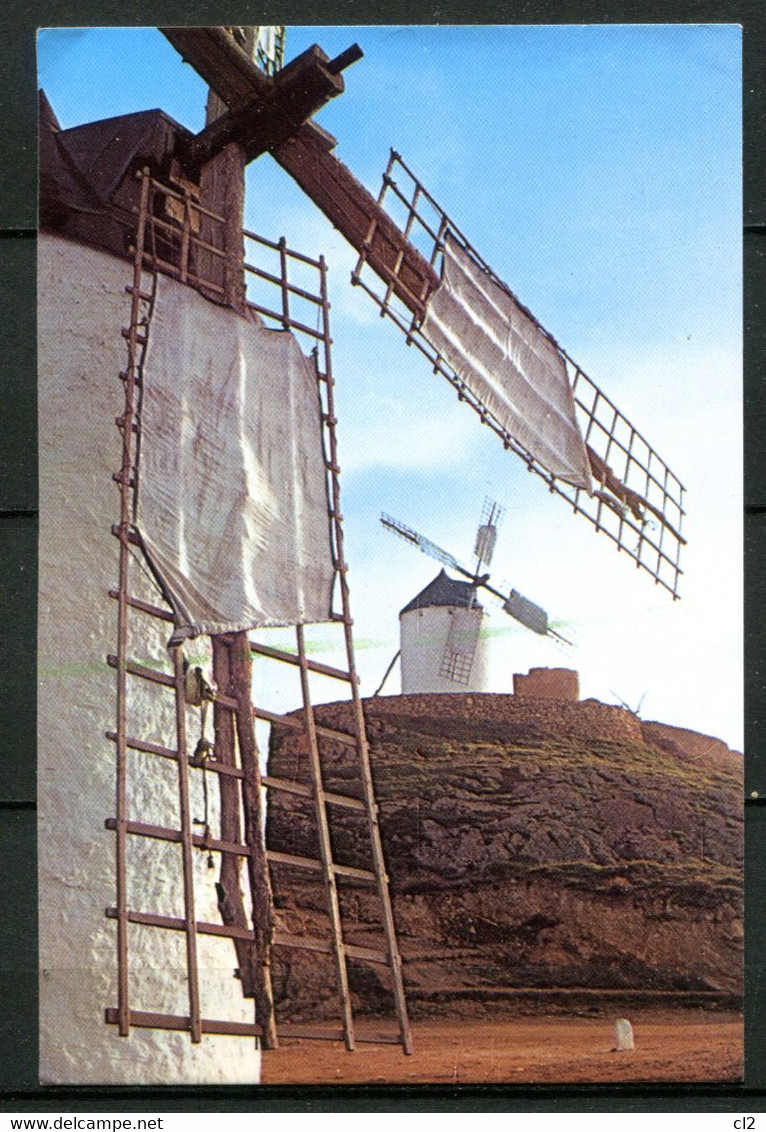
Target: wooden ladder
[{"x": 234, "y": 758}]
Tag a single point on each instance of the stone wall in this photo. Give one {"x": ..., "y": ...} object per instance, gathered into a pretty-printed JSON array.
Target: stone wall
[
  {"x": 548, "y": 683},
  {"x": 489, "y": 714},
  {"x": 690, "y": 746}
]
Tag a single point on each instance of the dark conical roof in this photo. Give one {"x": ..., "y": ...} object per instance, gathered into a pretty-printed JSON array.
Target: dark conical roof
[
  {"x": 87, "y": 191},
  {"x": 443, "y": 590}
]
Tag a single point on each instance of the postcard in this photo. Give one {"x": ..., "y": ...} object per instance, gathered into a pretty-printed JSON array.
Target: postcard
[{"x": 390, "y": 666}]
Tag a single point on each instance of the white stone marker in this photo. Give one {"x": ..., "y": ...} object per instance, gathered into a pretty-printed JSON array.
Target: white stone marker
[{"x": 624, "y": 1034}]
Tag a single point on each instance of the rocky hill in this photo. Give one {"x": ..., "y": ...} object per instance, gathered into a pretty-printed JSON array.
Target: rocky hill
[{"x": 540, "y": 851}]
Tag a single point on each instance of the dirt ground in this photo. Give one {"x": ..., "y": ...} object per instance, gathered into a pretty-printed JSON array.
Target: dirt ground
[{"x": 670, "y": 1045}]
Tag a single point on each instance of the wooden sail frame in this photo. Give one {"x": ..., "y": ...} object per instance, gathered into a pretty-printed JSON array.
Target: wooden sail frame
[{"x": 636, "y": 501}]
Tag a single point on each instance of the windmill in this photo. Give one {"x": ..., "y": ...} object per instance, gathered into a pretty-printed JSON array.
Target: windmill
[
  {"x": 447, "y": 654},
  {"x": 430, "y": 282}
]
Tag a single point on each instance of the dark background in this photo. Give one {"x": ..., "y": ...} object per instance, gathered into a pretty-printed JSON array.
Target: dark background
[{"x": 19, "y": 1088}]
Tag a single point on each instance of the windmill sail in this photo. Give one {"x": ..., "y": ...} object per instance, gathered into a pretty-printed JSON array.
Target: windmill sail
[
  {"x": 634, "y": 497},
  {"x": 424, "y": 544},
  {"x": 526, "y": 612},
  {"x": 485, "y": 543},
  {"x": 507, "y": 362},
  {"x": 461, "y": 643}
]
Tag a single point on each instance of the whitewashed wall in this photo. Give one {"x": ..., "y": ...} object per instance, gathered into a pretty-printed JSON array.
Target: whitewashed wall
[
  {"x": 82, "y": 306},
  {"x": 423, "y": 634}
]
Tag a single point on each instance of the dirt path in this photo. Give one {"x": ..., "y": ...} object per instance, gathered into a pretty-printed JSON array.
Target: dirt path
[{"x": 670, "y": 1046}]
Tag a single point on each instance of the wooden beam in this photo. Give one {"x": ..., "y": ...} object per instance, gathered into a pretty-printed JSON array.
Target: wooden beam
[
  {"x": 240, "y": 686},
  {"x": 266, "y": 119},
  {"x": 309, "y": 159},
  {"x": 218, "y": 59},
  {"x": 358, "y": 216}
]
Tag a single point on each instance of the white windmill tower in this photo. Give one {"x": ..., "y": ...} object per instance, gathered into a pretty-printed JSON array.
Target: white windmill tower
[{"x": 442, "y": 644}]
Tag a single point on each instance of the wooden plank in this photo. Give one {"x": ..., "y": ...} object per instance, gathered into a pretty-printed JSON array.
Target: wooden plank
[
  {"x": 291, "y": 658},
  {"x": 294, "y": 724},
  {"x": 305, "y": 791},
  {"x": 231, "y": 905},
  {"x": 146, "y": 1019},
  {"x": 241, "y": 679},
  {"x": 356, "y": 214},
  {"x": 187, "y": 844},
  {"x": 173, "y": 923},
  {"x": 165, "y": 833},
  {"x": 150, "y": 1020},
  {"x": 325, "y": 947}
]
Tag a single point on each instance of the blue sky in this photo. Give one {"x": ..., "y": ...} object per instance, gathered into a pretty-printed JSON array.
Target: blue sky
[{"x": 598, "y": 170}]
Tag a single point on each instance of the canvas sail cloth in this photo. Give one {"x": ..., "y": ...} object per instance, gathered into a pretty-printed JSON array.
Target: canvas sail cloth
[
  {"x": 507, "y": 362},
  {"x": 232, "y": 494}
]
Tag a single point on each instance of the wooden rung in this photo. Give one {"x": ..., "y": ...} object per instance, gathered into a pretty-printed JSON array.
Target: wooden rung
[
  {"x": 166, "y": 681},
  {"x": 140, "y": 339},
  {"x": 278, "y": 858},
  {"x": 299, "y": 725},
  {"x": 168, "y": 753},
  {"x": 217, "y": 768},
  {"x": 355, "y": 874},
  {"x": 335, "y": 1034},
  {"x": 144, "y": 606},
  {"x": 145, "y": 1019},
  {"x": 145, "y": 673},
  {"x": 150, "y": 1020},
  {"x": 174, "y": 923},
  {"x": 368, "y": 954},
  {"x": 307, "y": 792},
  {"x": 325, "y": 947},
  {"x": 145, "y": 746},
  {"x": 164, "y": 833},
  {"x": 303, "y": 942},
  {"x": 291, "y": 658}
]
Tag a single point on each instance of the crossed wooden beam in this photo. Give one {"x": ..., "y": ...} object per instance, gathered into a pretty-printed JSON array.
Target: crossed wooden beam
[{"x": 274, "y": 115}]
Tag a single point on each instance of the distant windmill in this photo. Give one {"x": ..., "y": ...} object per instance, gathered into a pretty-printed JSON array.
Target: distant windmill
[{"x": 446, "y": 653}]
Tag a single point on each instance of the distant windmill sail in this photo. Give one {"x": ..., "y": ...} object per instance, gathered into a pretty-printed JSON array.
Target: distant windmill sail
[
  {"x": 460, "y": 646},
  {"x": 507, "y": 362},
  {"x": 486, "y": 537},
  {"x": 526, "y": 612}
]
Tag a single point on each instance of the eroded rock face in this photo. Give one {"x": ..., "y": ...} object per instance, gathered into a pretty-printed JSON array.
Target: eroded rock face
[{"x": 530, "y": 843}]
